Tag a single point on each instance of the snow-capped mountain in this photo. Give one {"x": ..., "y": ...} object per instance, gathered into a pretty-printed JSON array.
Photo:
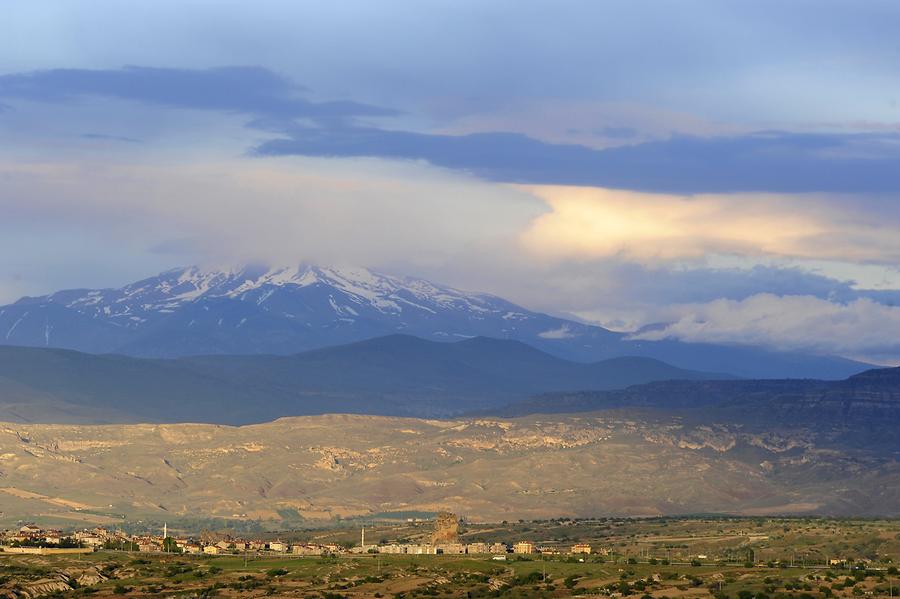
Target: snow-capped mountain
[
  {"x": 265, "y": 310},
  {"x": 248, "y": 310}
]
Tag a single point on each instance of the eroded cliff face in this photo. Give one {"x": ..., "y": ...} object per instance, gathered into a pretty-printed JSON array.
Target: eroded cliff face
[{"x": 343, "y": 465}]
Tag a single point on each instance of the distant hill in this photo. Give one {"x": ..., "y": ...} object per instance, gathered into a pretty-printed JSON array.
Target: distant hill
[
  {"x": 258, "y": 310},
  {"x": 859, "y": 406},
  {"x": 393, "y": 375}
]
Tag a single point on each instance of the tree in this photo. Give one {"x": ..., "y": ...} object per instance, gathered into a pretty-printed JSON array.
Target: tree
[{"x": 170, "y": 546}]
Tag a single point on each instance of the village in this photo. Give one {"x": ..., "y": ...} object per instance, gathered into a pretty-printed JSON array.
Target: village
[
  {"x": 32, "y": 539},
  {"x": 441, "y": 538},
  {"x": 674, "y": 558}
]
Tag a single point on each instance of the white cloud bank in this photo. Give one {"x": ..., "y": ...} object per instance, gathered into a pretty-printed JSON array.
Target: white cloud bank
[{"x": 861, "y": 328}]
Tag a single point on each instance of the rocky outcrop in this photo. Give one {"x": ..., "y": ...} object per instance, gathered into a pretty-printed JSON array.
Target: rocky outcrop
[{"x": 446, "y": 529}]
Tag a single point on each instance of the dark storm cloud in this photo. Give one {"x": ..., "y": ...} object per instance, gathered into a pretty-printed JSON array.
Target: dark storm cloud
[
  {"x": 248, "y": 90},
  {"x": 765, "y": 162}
]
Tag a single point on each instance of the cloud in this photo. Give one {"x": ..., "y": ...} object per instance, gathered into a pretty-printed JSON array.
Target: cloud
[
  {"x": 590, "y": 223},
  {"x": 563, "y": 332},
  {"x": 617, "y": 132},
  {"x": 860, "y": 328},
  {"x": 106, "y": 137},
  {"x": 277, "y": 211},
  {"x": 775, "y": 161},
  {"x": 247, "y": 90},
  {"x": 769, "y": 161}
]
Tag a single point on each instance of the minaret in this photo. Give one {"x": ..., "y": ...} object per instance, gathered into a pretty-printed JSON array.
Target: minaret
[
  {"x": 165, "y": 531},
  {"x": 363, "y": 538}
]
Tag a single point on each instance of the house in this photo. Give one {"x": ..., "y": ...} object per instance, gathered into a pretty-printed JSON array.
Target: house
[
  {"x": 499, "y": 548},
  {"x": 580, "y": 548},
  {"x": 89, "y": 539},
  {"x": 211, "y": 550},
  {"x": 278, "y": 546},
  {"x": 524, "y": 547},
  {"x": 475, "y": 548},
  {"x": 449, "y": 549},
  {"x": 307, "y": 550},
  {"x": 30, "y": 531}
]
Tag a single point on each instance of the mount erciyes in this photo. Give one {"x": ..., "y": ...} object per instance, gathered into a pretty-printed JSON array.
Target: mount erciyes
[{"x": 251, "y": 310}]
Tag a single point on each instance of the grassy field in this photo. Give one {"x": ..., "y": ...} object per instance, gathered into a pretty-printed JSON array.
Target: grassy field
[{"x": 717, "y": 558}]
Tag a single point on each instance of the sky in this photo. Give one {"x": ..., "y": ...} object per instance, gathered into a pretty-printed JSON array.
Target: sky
[{"x": 727, "y": 171}]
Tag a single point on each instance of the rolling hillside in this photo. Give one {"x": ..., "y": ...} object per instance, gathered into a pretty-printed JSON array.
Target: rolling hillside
[
  {"x": 295, "y": 470},
  {"x": 394, "y": 375}
]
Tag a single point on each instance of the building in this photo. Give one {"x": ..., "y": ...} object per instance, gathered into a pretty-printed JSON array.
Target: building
[
  {"x": 29, "y": 531},
  {"x": 580, "y": 548},
  {"x": 449, "y": 549},
  {"x": 278, "y": 546},
  {"x": 211, "y": 550},
  {"x": 90, "y": 539},
  {"x": 308, "y": 550},
  {"x": 524, "y": 547},
  {"x": 475, "y": 548}
]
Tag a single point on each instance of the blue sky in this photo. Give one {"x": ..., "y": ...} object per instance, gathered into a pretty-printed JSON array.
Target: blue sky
[{"x": 726, "y": 167}]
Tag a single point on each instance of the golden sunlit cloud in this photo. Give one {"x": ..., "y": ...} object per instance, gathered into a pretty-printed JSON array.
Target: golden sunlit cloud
[{"x": 588, "y": 222}]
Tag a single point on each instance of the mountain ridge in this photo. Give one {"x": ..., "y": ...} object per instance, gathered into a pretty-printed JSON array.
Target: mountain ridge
[
  {"x": 859, "y": 406},
  {"x": 396, "y": 375},
  {"x": 285, "y": 310}
]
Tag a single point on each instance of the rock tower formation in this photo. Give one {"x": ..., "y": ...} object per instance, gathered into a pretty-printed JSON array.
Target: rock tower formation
[{"x": 446, "y": 528}]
